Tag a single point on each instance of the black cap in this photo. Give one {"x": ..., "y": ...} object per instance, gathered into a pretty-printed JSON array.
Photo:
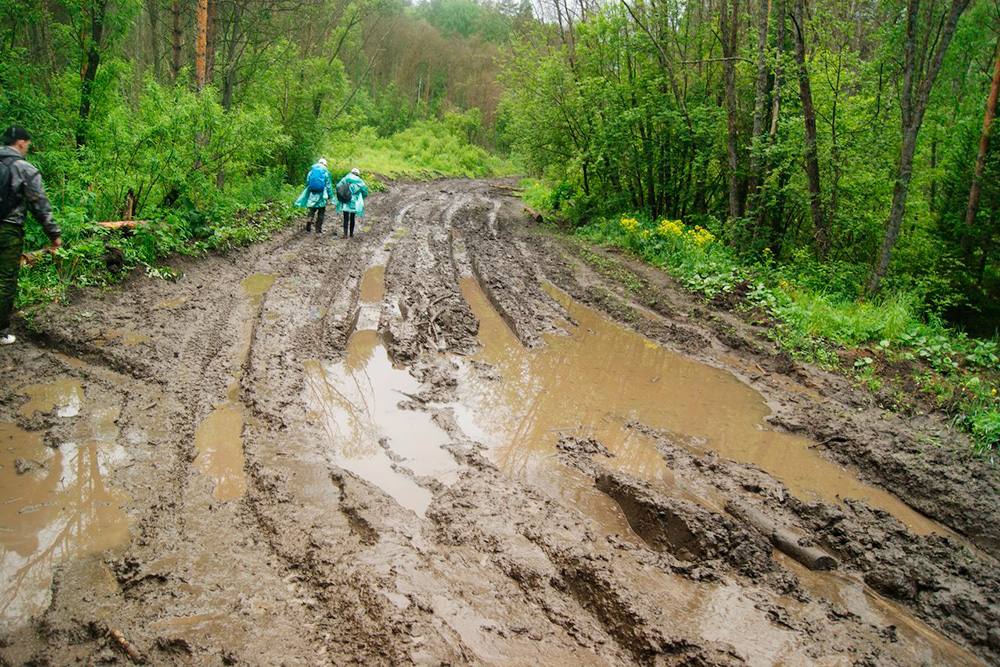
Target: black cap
[{"x": 15, "y": 133}]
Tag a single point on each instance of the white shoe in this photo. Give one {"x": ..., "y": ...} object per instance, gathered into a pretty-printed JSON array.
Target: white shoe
[{"x": 8, "y": 339}]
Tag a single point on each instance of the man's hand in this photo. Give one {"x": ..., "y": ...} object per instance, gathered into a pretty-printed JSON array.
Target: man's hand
[{"x": 56, "y": 244}]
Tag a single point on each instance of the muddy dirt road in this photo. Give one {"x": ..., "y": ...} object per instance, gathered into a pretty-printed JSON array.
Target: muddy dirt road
[{"x": 457, "y": 438}]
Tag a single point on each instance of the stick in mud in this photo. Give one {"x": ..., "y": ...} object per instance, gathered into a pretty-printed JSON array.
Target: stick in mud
[{"x": 782, "y": 538}]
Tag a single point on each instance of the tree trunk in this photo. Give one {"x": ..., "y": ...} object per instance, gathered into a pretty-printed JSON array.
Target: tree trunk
[
  {"x": 821, "y": 231},
  {"x": 201, "y": 45},
  {"x": 727, "y": 28},
  {"x": 912, "y": 114},
  {"x": 984, "y": 145},
  {"x": 153, "y": 7},
  {"x": 176, "y": 40},
  {"x": 90, "y": 69},
  {"x": 772, "y": 132},
  {"x": 210, "y": 39},
  {"x": 760, "y": 105}
]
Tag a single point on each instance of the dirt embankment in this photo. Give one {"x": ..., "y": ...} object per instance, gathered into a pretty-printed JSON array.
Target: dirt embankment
[{"x": 236, "y": 467}]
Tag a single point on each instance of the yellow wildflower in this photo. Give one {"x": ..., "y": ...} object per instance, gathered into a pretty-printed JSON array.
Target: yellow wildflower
[
  {"x": 629, "y": 224},
  {"x": 668, "y": 228},
  {"x": 700, "y": 235}
]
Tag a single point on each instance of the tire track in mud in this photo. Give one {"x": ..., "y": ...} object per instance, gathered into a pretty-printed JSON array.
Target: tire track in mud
[{"x": 317, "y": 564}]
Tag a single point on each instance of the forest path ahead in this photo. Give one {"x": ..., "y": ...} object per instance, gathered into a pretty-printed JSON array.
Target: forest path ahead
[{"x": 457, "y": 438}]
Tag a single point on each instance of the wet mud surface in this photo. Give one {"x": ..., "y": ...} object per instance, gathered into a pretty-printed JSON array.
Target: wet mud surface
[{"x": 462, "y": 438}]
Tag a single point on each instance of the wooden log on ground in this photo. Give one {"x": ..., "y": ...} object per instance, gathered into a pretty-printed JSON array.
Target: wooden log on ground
[
  {"x": 782, "y": 538},
  {"x": 533, "y": 214},
  {"x": 123, "y": 224}
]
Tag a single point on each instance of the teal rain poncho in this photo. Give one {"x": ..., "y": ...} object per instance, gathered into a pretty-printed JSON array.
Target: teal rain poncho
[
  {"x": 358, "y": 193},
  {"x": 316, "y": 199}
]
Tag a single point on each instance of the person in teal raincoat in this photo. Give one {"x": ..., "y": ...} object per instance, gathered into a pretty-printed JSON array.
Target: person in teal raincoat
[
  {"x": 357, "y": 204},
  {"x": 317, "y": 192}
]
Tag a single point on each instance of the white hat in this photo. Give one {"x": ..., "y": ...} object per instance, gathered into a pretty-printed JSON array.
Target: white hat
[
  {"x": 356, "y": 171},
  {"x": 322, "y": 161}
]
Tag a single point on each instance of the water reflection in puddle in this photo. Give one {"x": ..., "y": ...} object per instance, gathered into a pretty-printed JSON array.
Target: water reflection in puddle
[
  {"x": 54, "y": 504},
  {"x": 219, "y": 442},
  {"x": 590, "y": 383},
  {"x": 65, "y": 396},
  {"x": 356, "y": 402},
  {"x": 602, "y": 375}
]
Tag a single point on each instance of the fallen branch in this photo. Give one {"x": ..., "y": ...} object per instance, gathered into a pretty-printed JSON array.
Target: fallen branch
[
  {"x": 123, "y": 224},
  {"x": 533, "y": 214},
  {"x": 786, "y": 541},
  {"x": 130, "y": 650}
]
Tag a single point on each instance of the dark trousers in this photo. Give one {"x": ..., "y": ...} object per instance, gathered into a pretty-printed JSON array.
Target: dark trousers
[
  {"x": 318, "y": 212},
  {"x": 11, "y": 246},
  {"x": 349, "y": 222}
]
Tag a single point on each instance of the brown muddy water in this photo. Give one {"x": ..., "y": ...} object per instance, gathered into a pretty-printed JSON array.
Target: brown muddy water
[
  {"x": 357, "y": 403},
  {"x": 219, "y": 437},
  {"x": 591, "y": 383},
  {"x": 600, "y": 376},
  {"x": 54, "y": 502}
]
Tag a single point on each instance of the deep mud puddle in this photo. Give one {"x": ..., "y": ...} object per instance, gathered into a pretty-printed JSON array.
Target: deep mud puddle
[
  {"x": 357, "y": 401},
  {"x": 590, "y": 385},
  {"x": 600, "y": 377},
  {"x": 54, "y": 502}
]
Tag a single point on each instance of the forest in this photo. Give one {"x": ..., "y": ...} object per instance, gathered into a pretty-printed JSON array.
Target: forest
[
  {"x": 667, "y": 334},
  {"x": 832, "y": 159}
]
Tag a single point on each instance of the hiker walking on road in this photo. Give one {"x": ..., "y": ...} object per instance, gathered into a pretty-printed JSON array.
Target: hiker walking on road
[
  {"x": 315, "y": 195},
  {"x": 351, "y": 193},
  {"x": 21, "y": 190}
]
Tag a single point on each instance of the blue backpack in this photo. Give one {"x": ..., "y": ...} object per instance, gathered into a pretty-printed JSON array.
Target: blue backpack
[{"x": 317, "y": 179}]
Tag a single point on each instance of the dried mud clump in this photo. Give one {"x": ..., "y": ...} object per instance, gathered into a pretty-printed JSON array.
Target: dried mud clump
[
  {"x": 946, "y": 583},
  {"x": 686, "y": 530}
]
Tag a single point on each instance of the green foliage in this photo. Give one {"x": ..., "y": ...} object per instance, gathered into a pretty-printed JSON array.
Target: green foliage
[
  {"x": 536, "y": 194},
  {"x": 82, "y": 262},
  {"x": 613, "y": 115},
  {"x": 428, "y": 149}
]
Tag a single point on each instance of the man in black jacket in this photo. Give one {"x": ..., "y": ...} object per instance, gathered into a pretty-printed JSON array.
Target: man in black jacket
[{"x": 21, "y": 190}]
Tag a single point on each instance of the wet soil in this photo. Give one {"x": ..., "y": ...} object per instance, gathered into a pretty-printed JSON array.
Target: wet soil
[{"x": 460, "y": 437}]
